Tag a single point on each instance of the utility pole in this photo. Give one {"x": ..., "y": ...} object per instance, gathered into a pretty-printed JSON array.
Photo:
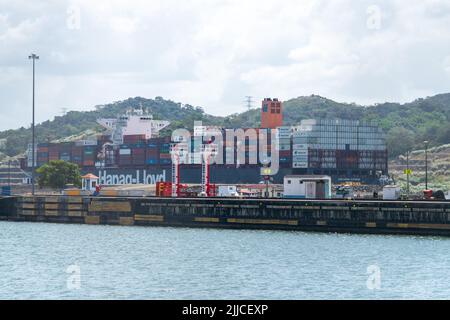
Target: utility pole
[
  {"x": 266, "y": 172},
  {"x": 33, "y": 57},
  {"x": 9, "y": 173},
  {"x": 426, "y": 164},
  {"x": 407, "y": 173}
]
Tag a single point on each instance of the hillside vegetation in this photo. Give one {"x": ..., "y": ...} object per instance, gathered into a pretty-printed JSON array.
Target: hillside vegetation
[
  {"x": 76, "y": 123},
  {"x": 438, "y": 169},
  {"x": 407, "y": 125}
]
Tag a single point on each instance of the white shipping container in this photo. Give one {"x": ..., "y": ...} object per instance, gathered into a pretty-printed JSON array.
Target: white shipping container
[
  {"x": 300, "y": 159},
  {"x": 227, "y": 191},
  {"x": 284, "y": 140},
  {"x": 299, "y": 147},
  {"x": 86, "y": 143},
  {"x": 300, "y": 152},
  {"x": 125, "y": 151},
  {"x": 300, "y": 165},
  {"x": 283, "y": 148}
]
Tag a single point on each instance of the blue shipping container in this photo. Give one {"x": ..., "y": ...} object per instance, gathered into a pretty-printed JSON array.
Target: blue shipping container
[{"x": 151, "y": 161}]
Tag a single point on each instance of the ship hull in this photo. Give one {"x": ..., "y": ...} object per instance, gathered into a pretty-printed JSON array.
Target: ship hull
[
  {"x": 192, "y": 174},
  {"x": 188, "y": 174}
]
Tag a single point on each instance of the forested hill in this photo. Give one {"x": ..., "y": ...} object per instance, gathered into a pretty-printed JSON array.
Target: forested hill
[
  {"x": 407, "y": 125},
  {"x": 77, "y": 122}
]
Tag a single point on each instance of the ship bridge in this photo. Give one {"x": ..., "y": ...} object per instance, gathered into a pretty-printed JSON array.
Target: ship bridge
[{"x": 133, "y": 123}]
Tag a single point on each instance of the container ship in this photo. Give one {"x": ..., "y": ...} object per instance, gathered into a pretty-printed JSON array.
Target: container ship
[{"x": 133, "y": 151}]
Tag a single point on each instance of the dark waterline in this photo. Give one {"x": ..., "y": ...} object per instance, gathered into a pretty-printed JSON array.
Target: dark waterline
[{"x": 180, "y": 263}]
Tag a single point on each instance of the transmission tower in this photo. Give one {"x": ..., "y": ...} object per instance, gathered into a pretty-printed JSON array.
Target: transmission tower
[{"x": 249, "y": 102}]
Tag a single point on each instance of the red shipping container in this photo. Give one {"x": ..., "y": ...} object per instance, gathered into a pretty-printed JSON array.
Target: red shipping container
[
  {"x": 138, "y": 151},
  {"x": 138, "y": 161},
  {"x": 77, "y": 151},
  {"x": 134, "y": 138},
  {"x": 152, "y": 152},
  {"x": 285, "y": 153}
]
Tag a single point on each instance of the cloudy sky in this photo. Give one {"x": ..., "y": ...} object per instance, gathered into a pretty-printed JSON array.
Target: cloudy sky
[{"x": 214, "y": 53}]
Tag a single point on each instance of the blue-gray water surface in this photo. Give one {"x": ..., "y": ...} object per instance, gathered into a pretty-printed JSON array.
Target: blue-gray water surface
[{"x": 58, "y": 261}]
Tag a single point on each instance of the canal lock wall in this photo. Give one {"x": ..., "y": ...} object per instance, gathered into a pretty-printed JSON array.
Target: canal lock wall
[{"x": 352, "y": 216}]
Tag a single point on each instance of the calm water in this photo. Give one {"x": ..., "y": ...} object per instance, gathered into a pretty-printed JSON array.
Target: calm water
[{"x": 175, "y": 263}]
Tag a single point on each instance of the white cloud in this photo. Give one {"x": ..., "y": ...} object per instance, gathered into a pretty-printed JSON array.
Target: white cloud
[{"x": 212, "y": 53}]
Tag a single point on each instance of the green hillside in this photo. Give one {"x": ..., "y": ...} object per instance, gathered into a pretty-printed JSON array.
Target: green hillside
[
  {"x": 407, "y": 125},
  {"x": 77, "y": 122}
]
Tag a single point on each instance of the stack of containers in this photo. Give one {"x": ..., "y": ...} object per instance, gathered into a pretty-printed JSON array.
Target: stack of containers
[
  {"x": 164, "y": 153},
  {"x": 229, "y": 148},
  {"x": 152, "y": 152},
  {"x": 42, "y": 154},
  {"x": 111, "y": 156},
  {"x": 372, "y": 150},
  {"x": 77, "y": 155},
  {"x": 53, "y": 152},
  {"x": 133, "y": 139},
  {"x": 89, "y": 156},
  {"x": 138, "y": 155},
  {"x": 65, "y": 151},
  {"x": 124, "y": 155},
  {"x": 264, "y": 136},
  {"x": 300, "y": 149},
  {"x": 197, "y": 142},
  {"x": 338, "y": 144},
  {"x": 284, "y": 136}
]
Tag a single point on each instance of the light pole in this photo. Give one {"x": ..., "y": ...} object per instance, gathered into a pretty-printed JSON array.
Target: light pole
[
  {"x": 9, "y": 173},
  {"x": 266, "y": 172},
  {"x": 407, "y": 173},
  {"x": 426, "y": 164},
  {"x": 33, "y": 57}
]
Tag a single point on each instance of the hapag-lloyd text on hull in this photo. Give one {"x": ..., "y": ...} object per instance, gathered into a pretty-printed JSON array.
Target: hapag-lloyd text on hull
[{"x": 136, "y": 177}]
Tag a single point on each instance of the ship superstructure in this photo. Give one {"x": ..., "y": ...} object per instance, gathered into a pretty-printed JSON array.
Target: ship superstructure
[{"x": 134, "y": 122}]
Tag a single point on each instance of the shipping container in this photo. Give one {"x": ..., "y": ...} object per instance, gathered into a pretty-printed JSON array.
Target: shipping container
[
  {"x": 138, "y": 151},
  {"x": 88, "y": 163},
  {"x": 124, "y": 152},
  {"x": 134, "y": 139},
  {"x": 165, "y": 161},
  {"x": 151, "y": 161}
]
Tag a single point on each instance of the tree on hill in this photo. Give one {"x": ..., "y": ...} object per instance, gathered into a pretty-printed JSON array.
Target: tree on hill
[
  {"x": 399, "y": 140},
  {"x": 58, "y": 173}
]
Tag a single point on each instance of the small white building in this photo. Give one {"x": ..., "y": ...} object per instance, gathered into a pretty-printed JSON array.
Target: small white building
[
  {"x": 307, "y": 186},
  {"x": 391, "y": 192},
  {"x": 89, "y": 182},
  {"x": 227, "y": 191}
]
